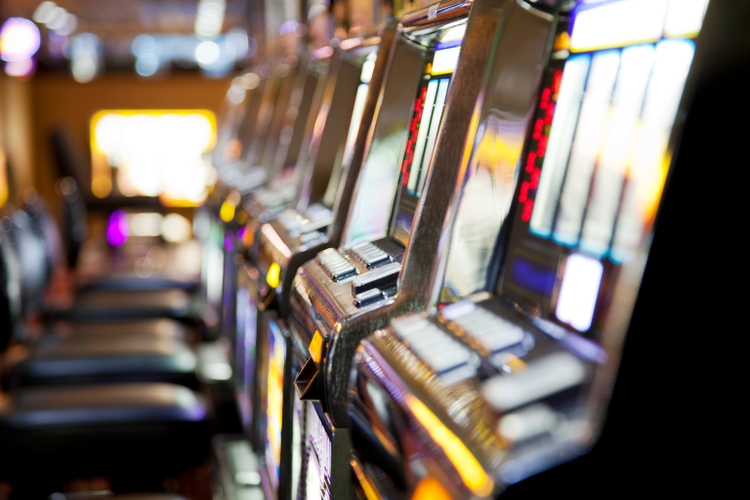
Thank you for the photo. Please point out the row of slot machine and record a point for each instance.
(426, 241)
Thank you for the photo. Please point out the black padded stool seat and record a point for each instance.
(117, 305)
(121, 496)
(136, 283)
(100, 358)
(161, 328)
(102, 430)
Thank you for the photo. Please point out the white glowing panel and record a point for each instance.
(424, 127)
(617, 24)
(154, 152)
(684, 17)
(651, 157)
(617, 148)
(559, 143)
(445, 61)
(437, 115)
(586, 144)
(579, 290)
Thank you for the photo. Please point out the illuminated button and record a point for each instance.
(370, 255)
(493, 332)
(335, 264)
(383, 278)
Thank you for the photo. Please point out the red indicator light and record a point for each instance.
(541, 148)
(524, 195)
(528, 207)
(530, 161)
(535, 178)
(556, 79)
(538, 126)
(413, 129)
(545, 98)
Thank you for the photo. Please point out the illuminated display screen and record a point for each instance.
(595, 165)
(152, 153)
(275, 402)
(359, 105)
(427, 115)
(318, 456)
(245, 345)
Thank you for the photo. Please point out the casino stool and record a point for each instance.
(94, 353)
(112, 297)
(63, 432)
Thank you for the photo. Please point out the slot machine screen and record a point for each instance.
(491, 177)
(359, 105)
(245, 344)
(424, 126)
(596, 162)
(376, 187)
(275, 402)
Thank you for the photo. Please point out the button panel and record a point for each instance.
(383, 277)
(336, 264)
(493, 332)
(370, 255)
(448, 357)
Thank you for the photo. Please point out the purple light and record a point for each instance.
(20, 69)
(241, 233)
(20, 39)
(228, 242)
(117, 228)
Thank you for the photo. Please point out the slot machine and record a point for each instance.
(297, 234)
(511, 372)
(433, 79)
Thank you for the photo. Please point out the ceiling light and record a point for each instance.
(19, 39)
(42, 13)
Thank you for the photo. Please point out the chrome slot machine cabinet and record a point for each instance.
(433, 79)
(510, 374)
(298, 233)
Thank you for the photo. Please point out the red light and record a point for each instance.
(530, 161)
(524, 195)
(538, 126)
(556, 79)
(535, 178)
(528, 207)
(545, 98)
(541, 148)
(413, 129)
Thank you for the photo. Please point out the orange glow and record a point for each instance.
(316, 347)
(430, 488)
(152, 153)
(463, 460)
(3, 177)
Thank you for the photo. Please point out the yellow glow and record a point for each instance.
(274, 273)
(155, 152)
(367, 487)
(430, 488)
(462, 459)
(226, 212)
(316, 347)
(3, 177)
(562, 41)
